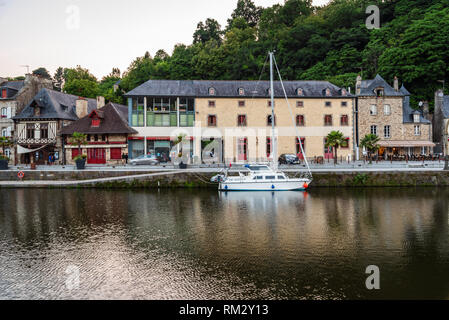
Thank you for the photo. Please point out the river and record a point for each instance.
(198, 244)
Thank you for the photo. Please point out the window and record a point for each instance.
(4, 132)
(95, 122)
(373, 110)
(281, 178)
(212, 91)
(211, 103)
(44, 130)
(298, 146)
(4, 94)
(416, 118)
(268, 147)
(137, 117)
(328, 120)
(241, 120)
(241, 92)
(344, 92)
(387, 109)
(374, 130)
(104, 138)
(300, 92)
(345, 144)
(116, 154)
(300, 104)
(344, 120)
(344, 104)
(269, 103)
(269, 122)
(300, 120)
(387, 132)
(4, 112)
(379, 92)
(30, 130)
(328, 104)
(241, 103)
(417, 130)
(270, 177)
(328, 92)
(96, 138)
(212, 120)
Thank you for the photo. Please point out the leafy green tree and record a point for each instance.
(78, 139)
(42, 72)
(247, 10)
(58, 79)
(371, 143)
(210, 30)
(335, 139)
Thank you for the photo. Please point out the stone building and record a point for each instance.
(386, 112)
(38, 127)
(107, 133)
(14, 96)
(441, 122)
(236, 117)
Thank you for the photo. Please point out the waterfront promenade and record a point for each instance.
(346, 174)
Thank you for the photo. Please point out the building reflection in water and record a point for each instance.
(169, 244)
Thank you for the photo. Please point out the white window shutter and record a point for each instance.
(8, 113)
(8, 132)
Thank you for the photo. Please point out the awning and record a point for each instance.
(22, 150)
(406, 144)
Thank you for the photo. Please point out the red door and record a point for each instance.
(243, 149)
(96, 156)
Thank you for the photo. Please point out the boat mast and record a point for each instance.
(273, 150)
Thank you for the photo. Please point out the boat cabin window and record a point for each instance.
(258, 168)
(258, 178)
(281, 177)
(270, 177)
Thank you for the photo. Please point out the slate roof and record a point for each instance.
(368, 87)
(113, 120)
(13, 87)
(54, 105)
(230, 89)
(408, 111)
(446, 106)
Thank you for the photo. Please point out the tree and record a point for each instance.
(370, 143)
(210, 30)
(247, 10)
(42, 72)
(78, 139)
(335, 139)
(80, 82)
(58, 79)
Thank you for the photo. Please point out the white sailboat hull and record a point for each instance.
(289, 185)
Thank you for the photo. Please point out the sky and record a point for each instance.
(99, 34)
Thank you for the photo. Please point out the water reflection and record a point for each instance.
(199, 245)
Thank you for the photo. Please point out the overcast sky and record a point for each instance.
(99, 34)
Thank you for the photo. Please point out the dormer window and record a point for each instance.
(328, 92)
(212, 91)
(416, 118)
(269, 92)
(344, 92)
(95, 122)
(241, 92)
(300, 92)
(37, 111)
(379, 92)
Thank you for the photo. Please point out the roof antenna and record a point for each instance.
(28, 68)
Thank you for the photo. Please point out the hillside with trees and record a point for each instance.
(312, 43)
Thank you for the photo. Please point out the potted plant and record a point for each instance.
(5, 142)
(79, 139)
(80, 162)
(179, 140)
(370, 143)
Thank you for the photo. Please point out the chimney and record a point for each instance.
(358, 85)
(2, 80)
(100, 102)
(425, 109)
(396, 84)
(81, 107)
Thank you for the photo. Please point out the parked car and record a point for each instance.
(145, 160)
(289, 159)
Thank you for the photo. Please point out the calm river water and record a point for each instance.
(92, 244)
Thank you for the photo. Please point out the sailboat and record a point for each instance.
(262, 177)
